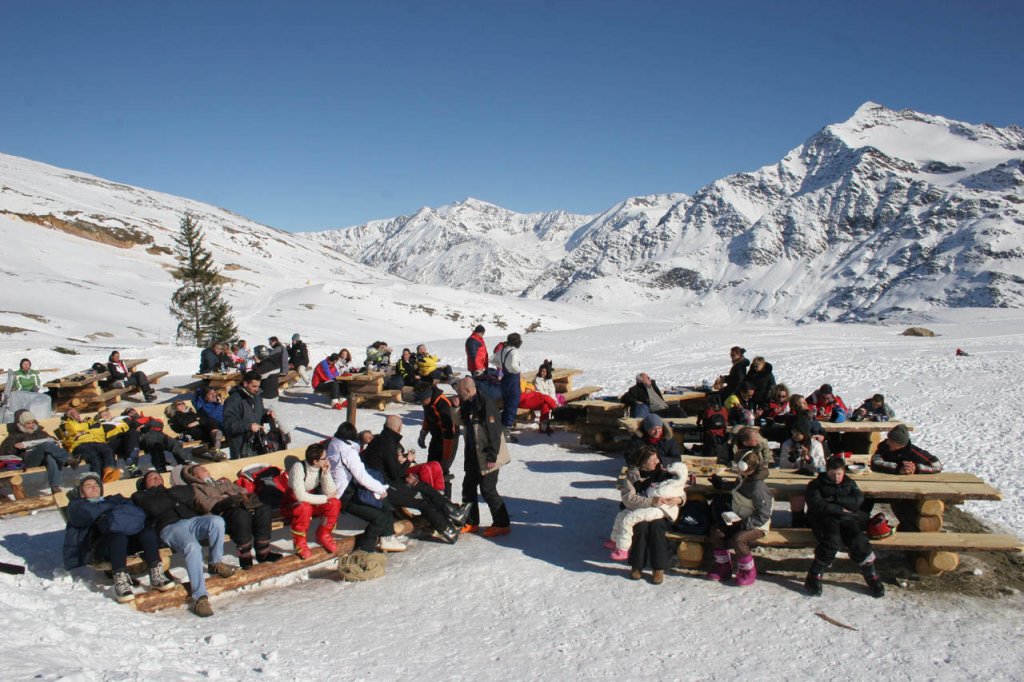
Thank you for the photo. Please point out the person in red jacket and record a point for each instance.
(323, 380)
(476, 352)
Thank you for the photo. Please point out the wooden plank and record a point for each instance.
(956, 542)
(558, 374)
(610, 406)
(577, 393)
(862, 427)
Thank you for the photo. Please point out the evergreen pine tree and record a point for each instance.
(203, 315)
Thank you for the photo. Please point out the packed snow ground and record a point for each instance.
(546, 600)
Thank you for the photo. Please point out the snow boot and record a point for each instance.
(636, 574)
(470, 528)
(301, 548)
(245, 557)
(325, 539)
(874, 581)
(746, 572)
(722, 570)
(812, 582)
(457, 514)
(450, 534)
(496, 531)
(221, 570)
(619, 555)
(111, 474)
(509, 438)
(264, 554)
(609, 544)
(658, 576)
(201, 607)
(123, 588)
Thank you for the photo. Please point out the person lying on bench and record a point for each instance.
(154, 442)
(101, 528)
(121, 376)
(834, 511)
(31, 446)
(171, 512)
(645, 398)
(246, 519)
(897, 455)
(87, 440)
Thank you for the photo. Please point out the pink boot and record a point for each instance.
(610, 544)
(620, 555)
(722, 570)
(746, 573)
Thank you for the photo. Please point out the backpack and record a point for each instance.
(268, 483)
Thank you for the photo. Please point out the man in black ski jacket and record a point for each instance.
(483, 437)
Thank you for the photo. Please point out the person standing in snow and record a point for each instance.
(476, 351)
(483, 444)
(511, 389)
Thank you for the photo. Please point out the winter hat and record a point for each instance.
(651, 421)
(85, 477)
(422, 391)
(24, 417)
(295, 337)
(899, 435)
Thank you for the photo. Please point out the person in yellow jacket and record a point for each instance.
(428, 366)
(88, 441)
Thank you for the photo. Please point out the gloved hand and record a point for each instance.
(422, 442)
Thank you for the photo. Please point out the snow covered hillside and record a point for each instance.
(888, 213)
(87, 263)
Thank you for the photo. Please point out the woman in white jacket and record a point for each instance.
(367, 498)
(311, 492)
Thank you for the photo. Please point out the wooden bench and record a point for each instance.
(15, 478)
(153, 600)
(938, 552)
(562, 378)
(919, 501)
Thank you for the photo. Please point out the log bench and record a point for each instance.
(937, 552)
(919, 502)
(15, 478)
(153, 600)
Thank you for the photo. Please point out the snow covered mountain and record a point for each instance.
(87, 263)
(889, 212)
(469, 244)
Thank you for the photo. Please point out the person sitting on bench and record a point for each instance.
(172, 514)
(26, 378)
(645, 398)
(429, 367)
(874, 409)
(742, 523)
(657, 434)
(33, 447)
(214, 359)
(834, 511)
(110, 527)
(543, 397)
(897, 455)
(121, 376)
(154, 442)
(196, 426)
(324, 381)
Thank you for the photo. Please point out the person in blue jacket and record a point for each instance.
(108, 528)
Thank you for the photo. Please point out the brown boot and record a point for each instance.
(636, 574)
(658, 577)
(201, 607)
(111, 474)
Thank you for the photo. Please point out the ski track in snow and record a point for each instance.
(546, 600)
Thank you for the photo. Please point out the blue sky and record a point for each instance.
(313, 115)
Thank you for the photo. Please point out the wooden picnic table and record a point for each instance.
(85, 391)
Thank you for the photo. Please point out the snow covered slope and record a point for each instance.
(469, 244)
(87, 262)
(888, 213)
